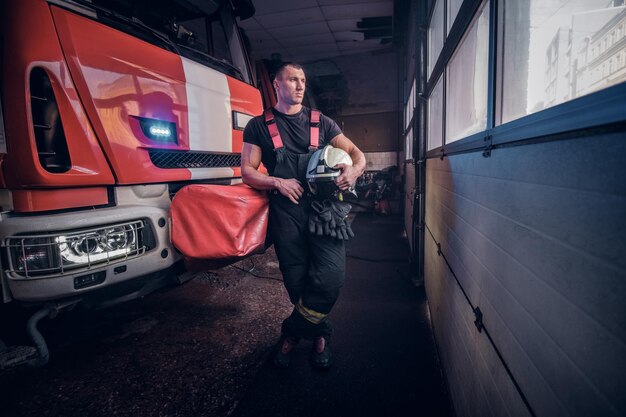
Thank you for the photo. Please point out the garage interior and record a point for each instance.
(203, 348)
(488, 270)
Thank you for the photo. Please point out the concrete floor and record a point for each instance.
(202, 349)
(384, 356)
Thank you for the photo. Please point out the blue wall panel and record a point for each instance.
(536, 236)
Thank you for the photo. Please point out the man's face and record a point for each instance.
(290, 86)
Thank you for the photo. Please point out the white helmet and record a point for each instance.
(320, 172)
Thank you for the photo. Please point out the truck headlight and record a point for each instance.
(35, 255)
(56, 253)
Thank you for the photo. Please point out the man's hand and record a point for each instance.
(290, 188)
(348, 177)
(349, 174)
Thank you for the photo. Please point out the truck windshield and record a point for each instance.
(201, 30)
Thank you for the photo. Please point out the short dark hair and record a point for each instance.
(281, 69)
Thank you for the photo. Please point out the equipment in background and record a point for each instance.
(376, 187)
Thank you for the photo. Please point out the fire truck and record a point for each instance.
(108, 108)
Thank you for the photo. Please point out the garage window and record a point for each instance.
(466, 98)
(435, 35)
(435, 116)
(555, 51)
(453, 11)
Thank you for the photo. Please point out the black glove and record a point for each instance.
(320, 218)
(339, 222)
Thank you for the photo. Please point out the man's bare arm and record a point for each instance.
(250, 162)
(349, 174)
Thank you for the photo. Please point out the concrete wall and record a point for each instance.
(360, 92)
(368, 82)
(379, 160)
(536, 235)
(373, 132)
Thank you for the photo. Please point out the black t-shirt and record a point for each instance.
(294, 131)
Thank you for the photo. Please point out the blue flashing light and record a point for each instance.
(158, 130)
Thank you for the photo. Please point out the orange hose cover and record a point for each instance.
(219, 221)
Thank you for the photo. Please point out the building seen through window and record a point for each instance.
(556, 50)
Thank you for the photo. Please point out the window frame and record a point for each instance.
(410, 107)
(427, 110)
(446, 73)
(445, 33)
(604, 109)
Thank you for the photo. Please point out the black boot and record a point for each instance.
(321, 357)
(283, 348)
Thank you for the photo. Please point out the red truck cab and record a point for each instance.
(108, 108)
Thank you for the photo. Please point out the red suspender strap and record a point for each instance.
(315, 129)
(273, 129)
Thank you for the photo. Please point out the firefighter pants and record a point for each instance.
(313, 268)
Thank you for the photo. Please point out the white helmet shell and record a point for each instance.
(321, 166)
(322, 163)
(335, 156)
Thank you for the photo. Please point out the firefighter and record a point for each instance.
(313, 266)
